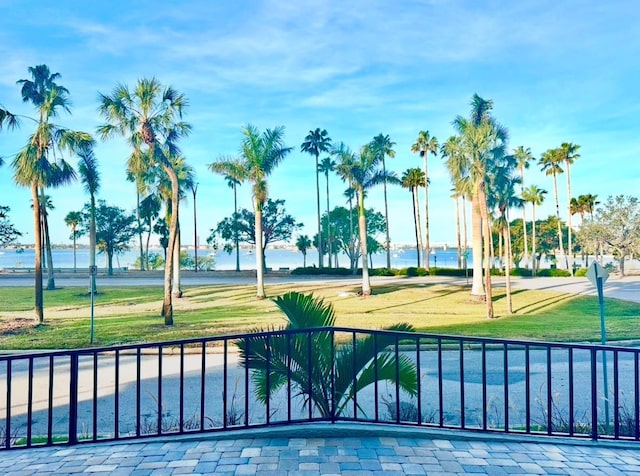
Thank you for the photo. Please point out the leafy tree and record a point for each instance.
(8, 119)
(150, 118)
(617, 226)
(303, 243)
(162, 230)
(260, 155)
(347, 242)
(424, 144)
(114, 229)
(8, 233)
(412, 179)
(41, 162)
(72, 220)
(534, 196)
(315, 142)
(457, 166)
(330, 380)
(277, 225)
(382, 146)
(149, 211)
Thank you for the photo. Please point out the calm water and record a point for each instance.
(63, 258)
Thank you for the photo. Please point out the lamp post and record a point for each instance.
(194, 190)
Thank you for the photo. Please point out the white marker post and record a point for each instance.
(598, 276)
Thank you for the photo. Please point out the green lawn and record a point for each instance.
(131, 314)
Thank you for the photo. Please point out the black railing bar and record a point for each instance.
(594, 395)
(462, 400)
(616, 396)
(289, 377)
(138, 390)
(203, 383)
(376, 389)
(440, 392)
(246, 383)
(418, 376)
(50, 402)
(29, 401)
(397, 377)
(505, 385)
(268, 379)
(181, 393)
(7, 425)
(354, 376)
(636, 366)
(527, 389)
(160, 349)
(484, 386)
(310, 371)
(571, 399)
(73, 399)
(549, 394)
(116, 396)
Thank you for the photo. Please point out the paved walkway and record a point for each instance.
(270, 453)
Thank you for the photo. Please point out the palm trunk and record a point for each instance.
(362, 226)
(352, 256)
(555, 189)
(458, 242)
(167, 304)
(569, 231)
(464, 231)
(386, 214)
(51, 282)
(177, 290)
(73, 231)
(524, 221)
(320, 250)
(487, 241)
(147, 245)
(139, 226)
(260, 294)
(328, 223)
(427, 245)
(37, 240)
(507, 261)
(195, 231)
(416, 225)
(534, 258)
(477, 287)
(92, 242)
(110, 262)
(235, 229)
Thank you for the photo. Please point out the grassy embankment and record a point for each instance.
(131, 314)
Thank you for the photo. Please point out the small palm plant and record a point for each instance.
(327, 375)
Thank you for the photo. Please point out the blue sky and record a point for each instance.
(556, 70)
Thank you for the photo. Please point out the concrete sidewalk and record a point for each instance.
(306, 452)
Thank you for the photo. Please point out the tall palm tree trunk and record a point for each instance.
(177, 290)
(328, 222)
(75, 262)
(362, 226)
(507, 265)
(464, 231)
(477, 287)
(260, 294)
(534, 257)
(51, 282)
(142, 261)
(487, 240)
(386, 214)
(458, 241)
(235, 227)
(569, 228)
(560, 243)
(353, 260)
(416, 225)
(92, 242)
(524, 222)
(320, 250)
(427, 245)
(167, 304)
(37, 240)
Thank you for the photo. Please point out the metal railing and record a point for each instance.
(202, 385)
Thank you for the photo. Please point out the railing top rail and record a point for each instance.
(444, 338)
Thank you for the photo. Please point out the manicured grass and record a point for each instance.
(131, 314)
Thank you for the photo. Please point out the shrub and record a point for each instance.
(581, 272)
(553, 273)
(449, 272)
(313, 271)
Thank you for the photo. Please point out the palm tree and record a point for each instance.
(483, 143)
(303, 243)
(233, 171)
(346, 162)
(315, 142)
(590, 202)
(457, 166)
(332, 378)
(523, 157)
(363, 173)
(149, 212)
(535, 196)
(570, 154)
(260, 154)
(412, 179)
(73, 219)
(423, 145)
(382, 146)
(8, 119)
(327, 165)
(40, 163)
(150, 118)
(550, 165)
(90, 178)
(194, 190)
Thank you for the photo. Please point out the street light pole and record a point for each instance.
(194, 190)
